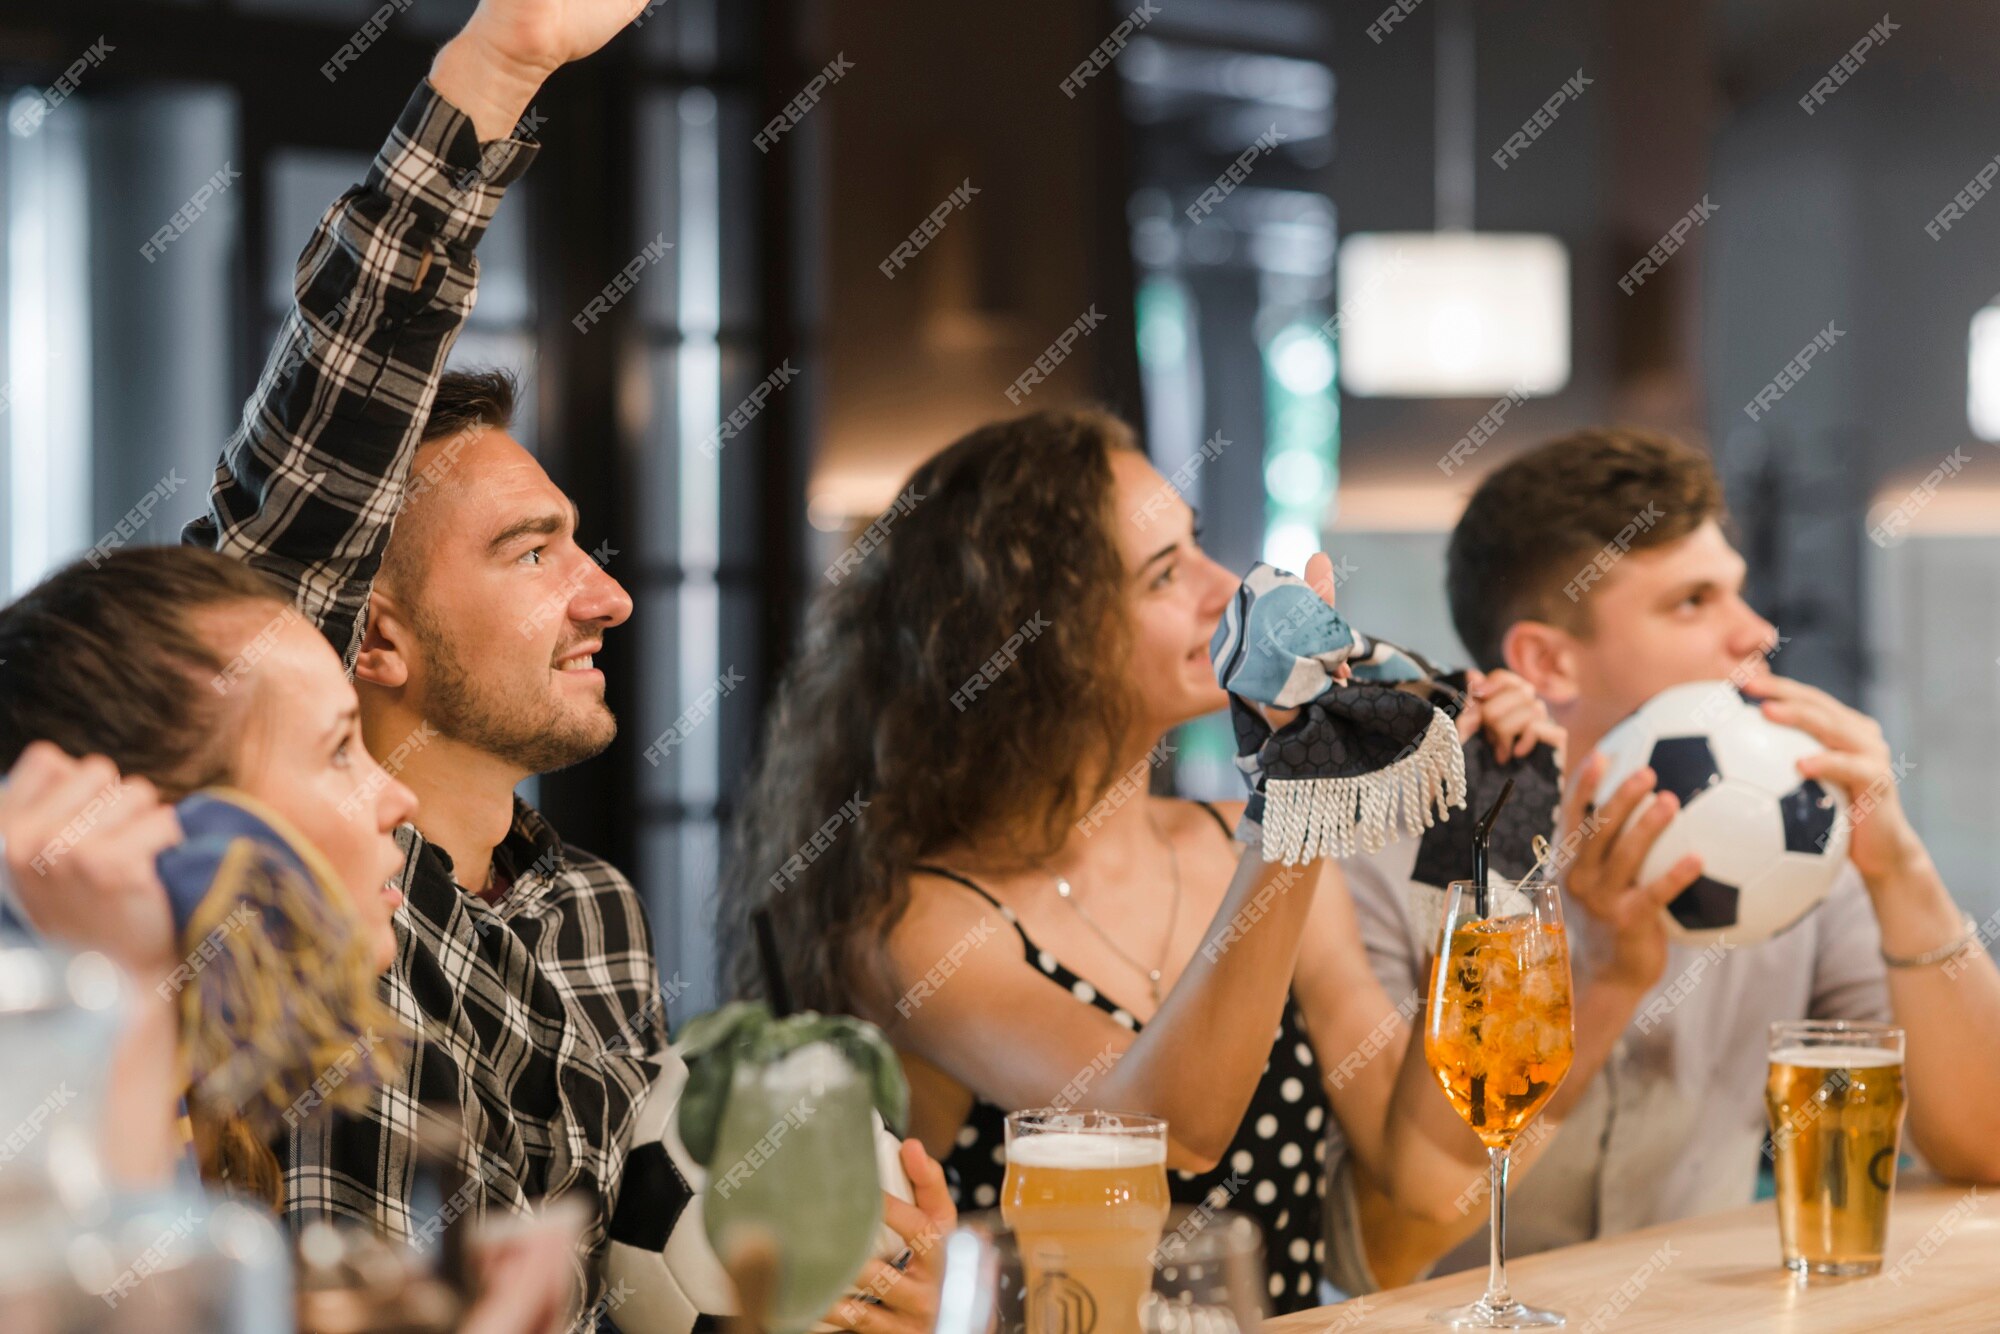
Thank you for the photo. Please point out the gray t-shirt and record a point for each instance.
(1672, 1124)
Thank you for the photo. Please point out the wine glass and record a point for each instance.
(1499, 1037)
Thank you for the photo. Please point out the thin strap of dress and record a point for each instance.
(1220, 819)
(973, 885)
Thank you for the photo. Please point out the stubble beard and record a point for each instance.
(522, 723)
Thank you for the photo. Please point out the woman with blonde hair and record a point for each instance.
(171, 675)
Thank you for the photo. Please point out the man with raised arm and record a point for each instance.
(437, 556)
(525, 968)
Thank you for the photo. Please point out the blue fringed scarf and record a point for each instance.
(1367, 761)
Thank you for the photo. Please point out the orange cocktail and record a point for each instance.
(1499, 1037)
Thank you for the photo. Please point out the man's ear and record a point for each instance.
(1544, 656)
(385, 644)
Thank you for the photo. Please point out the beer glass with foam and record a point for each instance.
(1835, 1096)
(1086, 1196)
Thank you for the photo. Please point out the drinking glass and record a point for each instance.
(795, 1159)
(78, 1251)
(1499, 1037)
(1086, 1195)
(1206, 1277)
(1835, 1095)
(1208, 1274)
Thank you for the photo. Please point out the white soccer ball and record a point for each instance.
(659, 1261)
(1770, 841)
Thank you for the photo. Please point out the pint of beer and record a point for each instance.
(1086, 1196)
(1835, 1096)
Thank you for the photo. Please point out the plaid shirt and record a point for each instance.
(534, 1017)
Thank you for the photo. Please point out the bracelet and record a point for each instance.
(1965, 940)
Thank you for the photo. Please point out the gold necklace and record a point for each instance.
(1067, 893)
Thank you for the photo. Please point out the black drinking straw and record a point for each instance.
(1480, 834)
(779, 995)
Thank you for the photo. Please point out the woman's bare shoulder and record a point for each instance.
(939, 908)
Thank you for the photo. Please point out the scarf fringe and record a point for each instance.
(1309, 818)
(286, 1000)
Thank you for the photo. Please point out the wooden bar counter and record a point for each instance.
(1940, 1272)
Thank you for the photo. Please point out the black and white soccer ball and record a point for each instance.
(660, 1270)
(1771, 842)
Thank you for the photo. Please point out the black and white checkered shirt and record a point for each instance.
(535, 1015)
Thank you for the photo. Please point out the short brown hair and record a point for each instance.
(1538, 518)
(109, 659)
(466, 399)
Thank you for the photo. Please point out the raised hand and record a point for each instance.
(1320, 578)
(493, 68)
(80, 843)
(541, 36)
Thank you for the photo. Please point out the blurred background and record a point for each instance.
(1308, 247)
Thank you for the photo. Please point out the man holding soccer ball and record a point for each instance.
(1665, 1122)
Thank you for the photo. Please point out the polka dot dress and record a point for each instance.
(1273, 1171)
